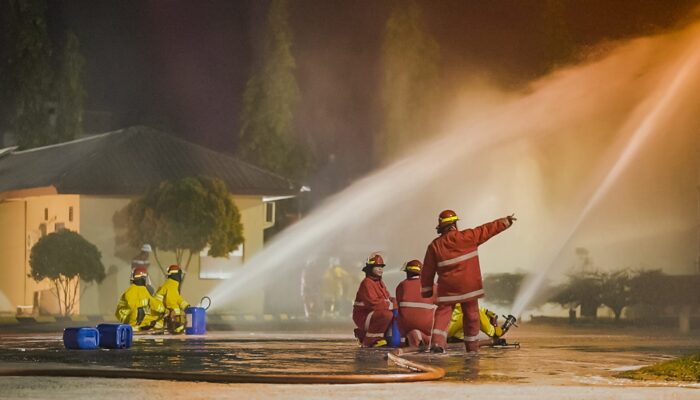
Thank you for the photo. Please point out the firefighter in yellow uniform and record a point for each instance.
(487, 323)
(175, 304)
(137, 307)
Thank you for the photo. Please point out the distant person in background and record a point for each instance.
(416, 312)
(310, 289)
(175, 304)
(143, 260)
(373, 307)
(334, 286)
(454, 257)
(137, 307)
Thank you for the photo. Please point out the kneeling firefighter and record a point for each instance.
(416, 312)
(137, 307)
(372, 310)
(175, 304)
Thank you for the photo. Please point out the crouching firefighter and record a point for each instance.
(137, 307)
(372, 310)
(416, 312)
(488, 324)
(173, 301)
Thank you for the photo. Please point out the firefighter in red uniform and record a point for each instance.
(372, 310)
(415, 311)
(453, 256)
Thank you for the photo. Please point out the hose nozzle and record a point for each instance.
(510, 321)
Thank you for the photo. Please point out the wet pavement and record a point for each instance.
(548, 357)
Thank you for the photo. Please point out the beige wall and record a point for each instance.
(97, 226)
(21, 222)
(12, 255)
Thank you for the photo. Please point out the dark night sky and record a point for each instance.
(182, 65)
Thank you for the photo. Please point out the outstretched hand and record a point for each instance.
(511, 218)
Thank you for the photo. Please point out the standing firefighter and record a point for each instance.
(453, 256)
(137, 307)
(372, 310)
(175, 305)
(416, 312)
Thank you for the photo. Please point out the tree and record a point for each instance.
(184, 217)
(615, 290)
(267, 136)
(501, 289)
(66, 258)
(409, 84)
(70, 93)
(26, 71)
(582, 289)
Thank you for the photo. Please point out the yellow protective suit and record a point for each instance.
(174, 303)
(137, 297)
(170, 295)
(454, 330)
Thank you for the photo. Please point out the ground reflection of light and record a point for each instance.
(648, 125)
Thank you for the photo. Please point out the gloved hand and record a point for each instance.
(511, 218)
(427, 294)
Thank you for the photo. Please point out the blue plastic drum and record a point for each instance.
(196, 321)
(115, 336)
(85, 338)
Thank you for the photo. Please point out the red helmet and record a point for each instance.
(375, 260)
(446, 218)
(413, 266)
(139, 272)
(173, 269)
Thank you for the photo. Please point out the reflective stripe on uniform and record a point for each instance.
(470, 338)
(358, 304)
(369, 317)
(458, 259)
(439, 332)
(461, 296)
(374, 335)
(426, 289)
(415, 304)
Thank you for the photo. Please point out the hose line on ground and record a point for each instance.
(420, 372)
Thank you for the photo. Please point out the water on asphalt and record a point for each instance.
(547, 355)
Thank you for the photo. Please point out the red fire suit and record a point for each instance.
(415, 312)
(372, 311)
(453, 256)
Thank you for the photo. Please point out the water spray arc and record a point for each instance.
(491, 165)
(660, 107)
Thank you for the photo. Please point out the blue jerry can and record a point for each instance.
(115, 336)
(395, 338)
(196, 321)
(84, 338)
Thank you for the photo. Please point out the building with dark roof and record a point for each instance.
(80, 185)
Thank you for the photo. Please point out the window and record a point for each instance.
(46, 214)
(70, 214)
(270, 212)
(219, 267)
(42, 229)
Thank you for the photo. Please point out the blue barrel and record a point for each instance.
(196, 321)
(84, 338)
(115, 336)
(395, 339)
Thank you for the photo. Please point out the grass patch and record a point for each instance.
(682, 369)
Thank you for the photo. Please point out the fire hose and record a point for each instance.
(419, 372)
